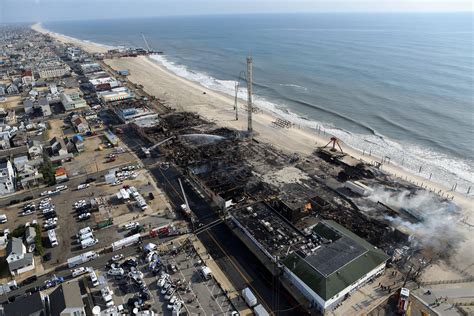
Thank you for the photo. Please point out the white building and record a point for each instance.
(7, 178)
(19, 261)
(72, 101)
(116, 94)
(53, 70)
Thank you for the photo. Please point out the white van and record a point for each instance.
(89, 242)
(83, 231)
(86, 236)
(93, 277)
(3, 219)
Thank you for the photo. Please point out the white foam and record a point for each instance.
(443, 169)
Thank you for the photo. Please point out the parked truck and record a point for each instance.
(249, 297)
(82, 258)
(259, 310)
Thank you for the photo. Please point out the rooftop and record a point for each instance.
(342, 259)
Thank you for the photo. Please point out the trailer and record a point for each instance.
(104, 223)
(125, 242)
(83, 231)
(52, 238)
(85, 236)
(249, 297)
(82, 258)
(259, 310)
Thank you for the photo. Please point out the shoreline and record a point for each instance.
(217, 107)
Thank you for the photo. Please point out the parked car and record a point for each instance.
(117, 257)
(118, 271)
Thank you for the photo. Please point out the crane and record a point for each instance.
(147, 151)
(146, 43)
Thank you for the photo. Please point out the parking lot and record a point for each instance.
(179, 266)
(68, 223)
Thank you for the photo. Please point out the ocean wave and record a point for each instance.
(442, 168)
(293, 86)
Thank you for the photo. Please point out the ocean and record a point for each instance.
(397, 85)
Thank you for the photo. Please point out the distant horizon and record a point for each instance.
(71, 10)
(32, 22)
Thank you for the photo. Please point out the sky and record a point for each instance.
(12, 11)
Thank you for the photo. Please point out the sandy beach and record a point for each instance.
(86, 46)
(186, 95)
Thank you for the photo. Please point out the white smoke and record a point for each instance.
(438, 229)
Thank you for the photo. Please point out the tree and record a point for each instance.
(47, 171)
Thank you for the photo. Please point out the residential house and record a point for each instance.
(12, 89)
(19, 261)
(78, 142)
(66, 300)
(43, 103)
(28, 106)
(27, 78)
(30, 305)
(35, 151)
(80, 125)
(3, 90)
(60, 174)
(7, 178)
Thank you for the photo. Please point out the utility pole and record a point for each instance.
(236, 100)
(249, 95)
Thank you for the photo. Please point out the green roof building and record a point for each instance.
(341, 263)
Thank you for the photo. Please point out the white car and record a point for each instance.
(173, 299)
(165, 288)
(116, 258)
(61, 187)
(131, 225)
(170, 294)
(83, 186)
(79, 271)
(118, 271)
(84, 216)
(45, 193)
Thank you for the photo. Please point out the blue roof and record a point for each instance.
(79, 138)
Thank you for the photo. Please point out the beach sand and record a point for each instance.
(86, 46)
(186, 95)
